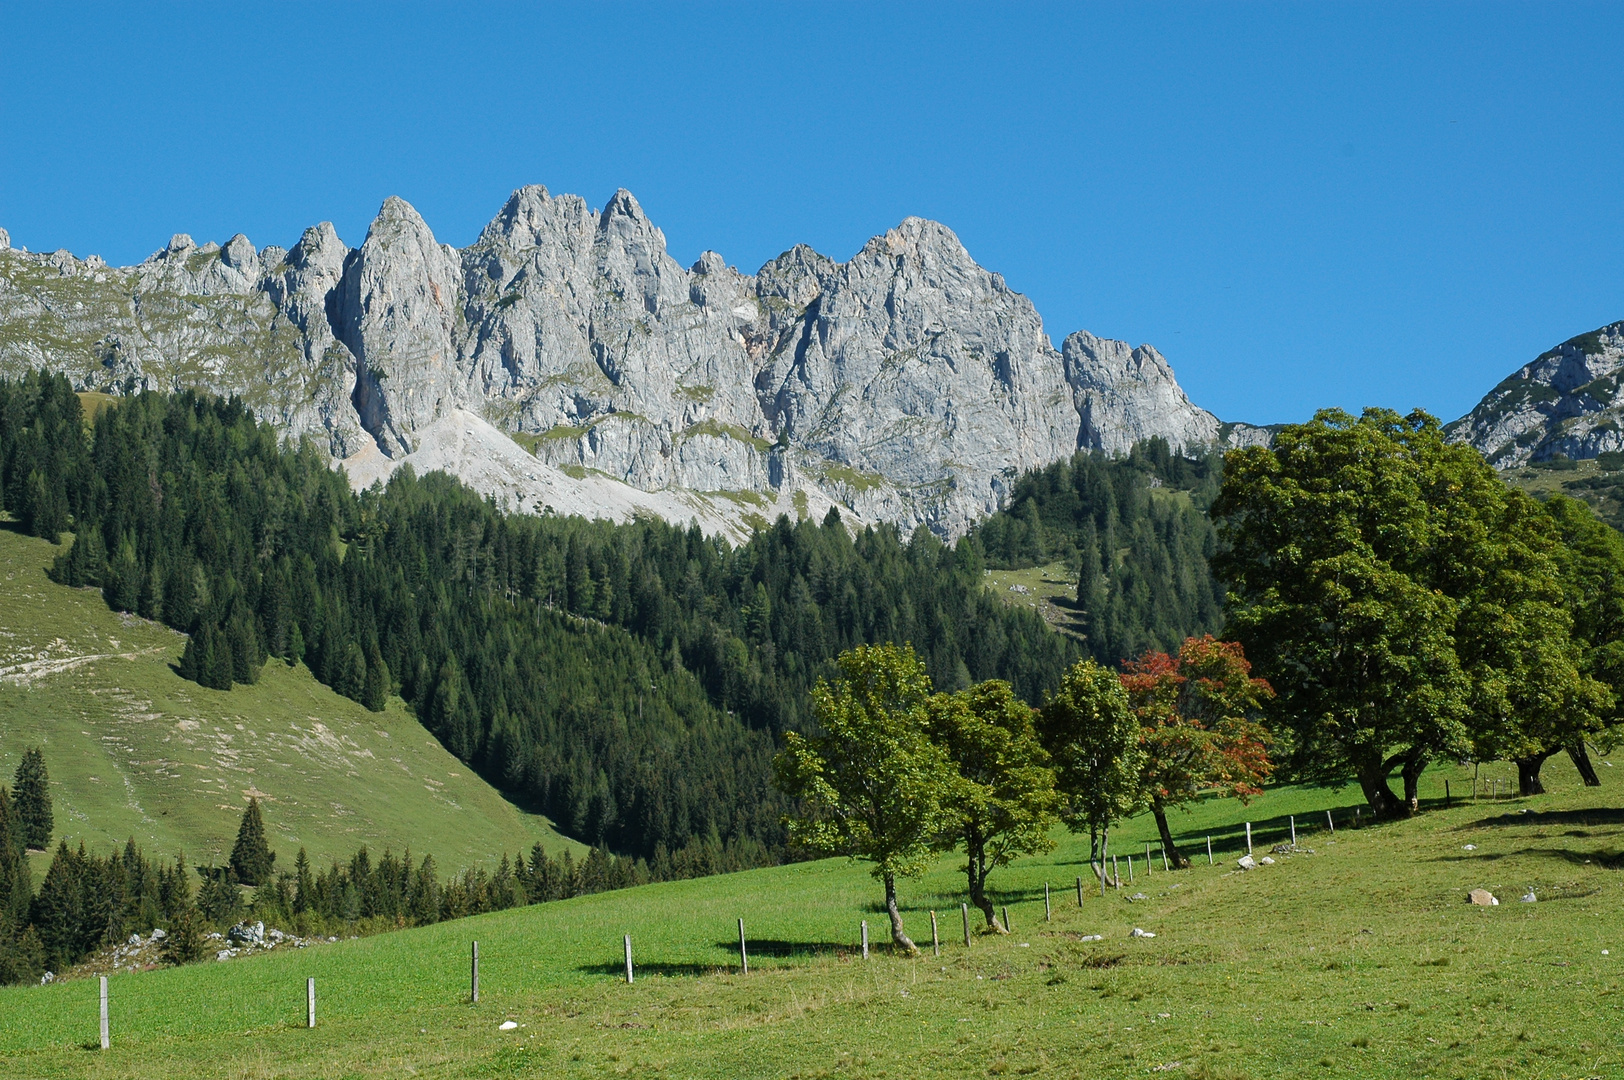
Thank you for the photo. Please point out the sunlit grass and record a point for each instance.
(1363, 955)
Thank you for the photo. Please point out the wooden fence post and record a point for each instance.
(628, 958)
(1147, 860)
(1249, 838)
(1165, 864)
(1293, 830)
(1007, 930)
(964, 910)
(744, 956)
(935, 941)
(106, 1039)
(1080, 888)
(1330, 821)
(310, 1003)
(476, 974)
(865, 939)
(1048, 914)
(1209, 851)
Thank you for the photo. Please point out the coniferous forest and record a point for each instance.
(1135, 534)
(628, 680)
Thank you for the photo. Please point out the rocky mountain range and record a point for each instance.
(1565, 402)
(565, 360)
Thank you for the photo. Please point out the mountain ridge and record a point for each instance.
(1563, 403)
(907, 384)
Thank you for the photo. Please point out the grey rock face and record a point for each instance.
(400, 301)
(907, 384)
(1565, 402)
(1124, 395)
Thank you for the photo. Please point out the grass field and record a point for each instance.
(1362, 959)
(135, 750)
(1051, 591)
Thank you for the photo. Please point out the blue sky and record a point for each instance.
(1301, 205)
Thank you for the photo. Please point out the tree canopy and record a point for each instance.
(872, 786)
(1198, 729)
(251, 855)
(1093, 738)
(1403, 602)
(1005, 802)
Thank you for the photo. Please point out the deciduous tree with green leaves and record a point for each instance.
(1591, 563)
(872, 786)
(1092, 737)
(1531, 697)
(1198, 728)
(1335, 536)
(1006, 800)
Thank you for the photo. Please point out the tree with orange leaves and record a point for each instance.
(1196, 715)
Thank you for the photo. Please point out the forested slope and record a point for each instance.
(626, 680)
(1133, 531)
(134, 751)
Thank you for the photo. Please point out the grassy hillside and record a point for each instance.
(134, 750)
(1362, 959)
(1050, 590)
(1597, 481)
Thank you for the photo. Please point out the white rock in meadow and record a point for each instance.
(507, 1025)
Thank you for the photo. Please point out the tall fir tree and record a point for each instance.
(58, 912)
(219, 900)
(31, 798)
(251, 856)
(183, 943)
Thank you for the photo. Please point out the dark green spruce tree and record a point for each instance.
(21, 958)
(31, 799)
(251, 856)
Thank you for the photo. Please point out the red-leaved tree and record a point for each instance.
(1197, 714)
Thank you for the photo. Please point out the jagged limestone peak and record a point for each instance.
(906, 384)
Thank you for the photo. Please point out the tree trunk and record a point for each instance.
(1384, 805)
(1174, 856)
(899, 937)
(975, 861)
(1582, 762)
(1528, 781)
(1411, 772)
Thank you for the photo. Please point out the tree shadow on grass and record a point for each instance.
(780, 948)
(945, 904)
(671, 971)
(1600, 815)
(763, 948)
